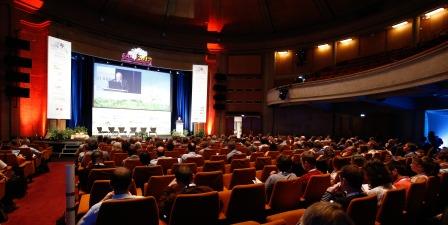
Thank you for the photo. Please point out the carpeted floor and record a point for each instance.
(44, 202)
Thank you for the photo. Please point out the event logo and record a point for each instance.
(137, 56)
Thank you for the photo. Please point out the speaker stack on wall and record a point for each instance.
(220, 89)
(15, 65)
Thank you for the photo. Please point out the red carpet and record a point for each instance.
(44, 201)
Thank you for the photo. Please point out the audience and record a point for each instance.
(191, 152)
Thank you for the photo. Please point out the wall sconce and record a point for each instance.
(399, 25)
(346, 41)
(434, 12)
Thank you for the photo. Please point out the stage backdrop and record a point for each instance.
(107, 94)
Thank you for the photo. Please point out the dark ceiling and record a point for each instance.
(237, 20)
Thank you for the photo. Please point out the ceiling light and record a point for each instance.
(323, 46)
(434, 12)
(398, 25)
(283, 53)
(346, 41)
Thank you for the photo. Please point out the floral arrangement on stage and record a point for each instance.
(175, 133)
(68, 133)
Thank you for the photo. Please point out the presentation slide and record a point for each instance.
(128, 97)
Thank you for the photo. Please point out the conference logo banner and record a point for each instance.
(59, 79)
(137, 56)
(199, 94)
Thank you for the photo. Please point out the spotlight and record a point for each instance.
(300, 79)
(362, 115)
(242, 115)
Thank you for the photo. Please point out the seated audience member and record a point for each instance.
(169, 146)
(379, 179)
(160, 151)
(132, 154)
(442, 160)
(409, 150)
(398, 173)
(182, 184)
(92, 145)
(272, 147)
(25, 144)
(233, 151)
(191, 152)
(145, 159)
(358, 160)
(120, 182)
(308, 162)
(338, 163)
(116, 147)
(97, 160)
(348, 188)
(423, 167)
(325, 213)
(284, 164)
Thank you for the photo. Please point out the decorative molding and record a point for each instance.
(424, 68)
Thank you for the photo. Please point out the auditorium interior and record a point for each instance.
(309, 112)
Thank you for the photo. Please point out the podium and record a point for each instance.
(179, 126)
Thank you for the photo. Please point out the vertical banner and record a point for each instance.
(199, 94)
(59, 79)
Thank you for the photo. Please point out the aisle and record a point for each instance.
(44, 202)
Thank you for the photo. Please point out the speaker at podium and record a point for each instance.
(179, 125)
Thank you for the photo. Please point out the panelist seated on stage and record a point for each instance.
(119, 82)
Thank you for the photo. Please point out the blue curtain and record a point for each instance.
(181, 98)
(82, 91)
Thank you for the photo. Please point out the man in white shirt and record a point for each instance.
(120, 181)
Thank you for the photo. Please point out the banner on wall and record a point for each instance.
(199, 94)
(59, 79)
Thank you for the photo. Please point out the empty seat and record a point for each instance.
(242, 176)
(391, 210)
(118, 158)
(198, 160)
(186, 207)
(166, 163)
(218, 157)
(285, 195)
(255, 155)
(99, 189)
(214, 166)
(260, 162)
(363, 210)
(99, 174)
(291, 217)
(267, 171)
(209, 152)
(213, 179)
(414, 202)
(156, 185)
(130, 164)
(142, 174)
(246, 202)
(239, 164)
(316, 187)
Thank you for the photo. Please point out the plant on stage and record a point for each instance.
(174, 133)
(58, 135)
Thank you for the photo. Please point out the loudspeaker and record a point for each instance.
(220, 88)
(17, 61)
(219, 97)
(16, 43)
(18, 77)
(301, 56)
(219, 106)
(13, 91)
(220, 77)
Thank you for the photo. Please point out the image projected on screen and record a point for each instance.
(127, 88)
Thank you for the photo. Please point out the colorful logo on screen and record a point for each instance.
(137, 56)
